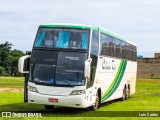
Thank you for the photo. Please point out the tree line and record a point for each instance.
(9, 60)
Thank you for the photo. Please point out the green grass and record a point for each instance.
(11, 82)
(147, 98)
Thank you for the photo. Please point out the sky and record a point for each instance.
(137, 21)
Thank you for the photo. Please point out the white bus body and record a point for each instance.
(113, 77)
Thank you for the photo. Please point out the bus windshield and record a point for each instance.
(66, 69)
(62, 38)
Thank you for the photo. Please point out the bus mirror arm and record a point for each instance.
(21, 64)
(87, 68)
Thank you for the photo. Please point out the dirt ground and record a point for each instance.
(11, 89)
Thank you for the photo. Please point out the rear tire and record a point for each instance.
(96, 104)
(127, 93)
(49, 107)
(124, 94)
(129, 90)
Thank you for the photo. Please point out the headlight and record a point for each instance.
(33, 89)
(78, 92)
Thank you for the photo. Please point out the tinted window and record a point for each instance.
(70, 66)
(62, 38)
(135, 53)
(132, 52)
(110, 51)
(117, 48)
(114, 47)
(123, 45)
(68, 70)
(127, 52)
(103, 44)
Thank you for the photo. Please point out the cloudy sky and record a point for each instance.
(138, 20)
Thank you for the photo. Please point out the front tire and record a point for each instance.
(96, 104)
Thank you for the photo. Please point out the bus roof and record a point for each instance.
(80, 26)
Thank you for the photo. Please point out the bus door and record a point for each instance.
(26, 75)
(93, 56)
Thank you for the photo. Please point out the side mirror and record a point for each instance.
(87, 68)
(21, 64)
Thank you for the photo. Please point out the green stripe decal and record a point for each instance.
(116, 81)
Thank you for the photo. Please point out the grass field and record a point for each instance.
(11, 82)
(147, 98)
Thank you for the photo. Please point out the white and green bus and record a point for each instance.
(78, 66)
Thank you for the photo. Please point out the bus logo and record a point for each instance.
(107, 66)
(72, 58)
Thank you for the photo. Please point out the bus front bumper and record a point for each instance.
(77, 101)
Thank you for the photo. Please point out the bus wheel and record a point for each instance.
(127, 93)
(129, 90)
(49, 107)
(124, 94)
(96, 104)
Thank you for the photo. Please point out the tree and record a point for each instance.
(2, 71)
(9, 60)
(14, 56)
(4, 53)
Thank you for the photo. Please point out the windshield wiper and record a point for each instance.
(66, 82)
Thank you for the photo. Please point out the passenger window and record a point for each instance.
(117, 48)
(110, 51)
(123, 46)
(114, 47)
(135, 53)
(103, 44)
(127, 51)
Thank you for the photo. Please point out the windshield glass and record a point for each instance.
(42, 74)
(70, 68)
(62, 38)
(57, 68)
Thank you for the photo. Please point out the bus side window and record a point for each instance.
(117, 48)
(110, 51)
(135, 53)
(130, 52)
(123, 49)
(103, 44)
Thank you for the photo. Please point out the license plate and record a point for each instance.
(52, 100)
